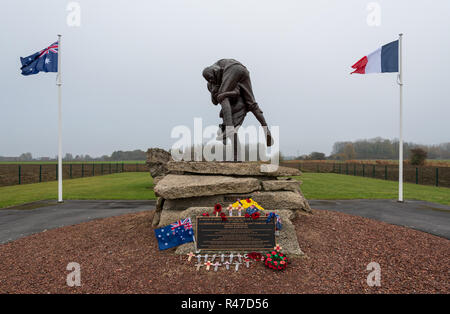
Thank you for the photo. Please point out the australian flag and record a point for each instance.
(45, 60)
(175, 234)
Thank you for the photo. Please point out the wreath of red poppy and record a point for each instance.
(276, 260)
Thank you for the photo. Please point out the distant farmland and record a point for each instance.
(435, 173)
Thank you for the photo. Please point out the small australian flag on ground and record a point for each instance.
(175, 234)
(45, 60)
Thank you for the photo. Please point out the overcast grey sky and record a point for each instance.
(132, 71)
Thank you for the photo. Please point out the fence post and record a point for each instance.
(346, 168)
(40, 173)
(437, 176)
(354, 169)
(20, 170)
(101, 167)
(136, 167)
(340, 169)
(70, 170)
(373, 171)
(123, 165)
(82, 170)
(364, 169)
(93, 169)
(417, 175)
(318, 169)
(385, 172)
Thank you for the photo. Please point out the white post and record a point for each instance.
(400, 150)
(59, 83)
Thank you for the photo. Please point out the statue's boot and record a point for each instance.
(260, 117)
(269, 138)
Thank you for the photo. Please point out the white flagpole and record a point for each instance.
(400, 150)
(59, 83)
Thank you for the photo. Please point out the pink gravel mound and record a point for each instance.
(120, 255)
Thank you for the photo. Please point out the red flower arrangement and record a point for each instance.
(205, 214)
(217, 208)
(247, 215)
(223, 216)
(276, 260)
(256, 215)
(255, 256)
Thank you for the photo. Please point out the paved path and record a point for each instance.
(424, 216)
(36, 217)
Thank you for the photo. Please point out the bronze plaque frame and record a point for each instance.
(248, 221)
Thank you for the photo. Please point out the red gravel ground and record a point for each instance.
(120, 255)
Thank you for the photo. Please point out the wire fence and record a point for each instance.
(426, 175)
(15, 174)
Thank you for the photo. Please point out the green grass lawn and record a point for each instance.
(123, 186)
(138, 186)
(338, 186)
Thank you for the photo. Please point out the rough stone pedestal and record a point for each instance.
(191, 188)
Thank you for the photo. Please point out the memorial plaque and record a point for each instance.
(237, 233)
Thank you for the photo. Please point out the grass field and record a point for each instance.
(138, 186)
(338, 186)
(126, 186)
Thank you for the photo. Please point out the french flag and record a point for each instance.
(382, 60)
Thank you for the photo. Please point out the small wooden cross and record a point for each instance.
(198, 266)
(208, 265)
(239, 209)
(237, 266)
(190, 255)
(206, 257)
(239, 256)
(231, 258)
(222, 257)
(247, 262)
(216, 266)
(227, 265)
(230, 210)
(277, 248)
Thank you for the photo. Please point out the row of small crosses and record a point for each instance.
(210, 262)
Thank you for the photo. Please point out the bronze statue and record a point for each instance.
(230, 86)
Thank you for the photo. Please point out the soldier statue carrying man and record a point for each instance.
(230, 86)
